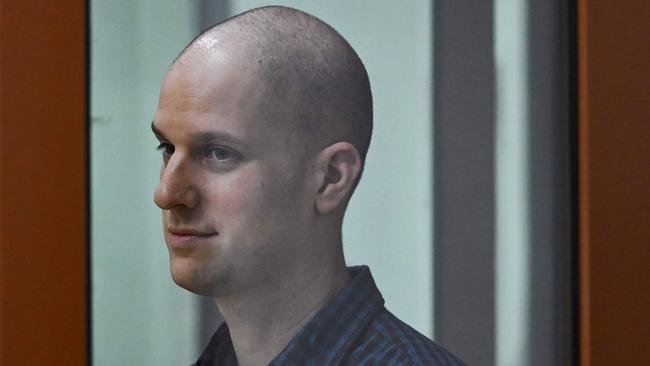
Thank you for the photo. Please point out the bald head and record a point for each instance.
(313, 84)
(263, 121)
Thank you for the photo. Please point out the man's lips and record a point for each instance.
(183, 235)
(190, 232)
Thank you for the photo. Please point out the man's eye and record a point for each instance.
(219, 154)
(167, 149)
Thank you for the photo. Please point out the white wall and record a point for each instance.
(139, 317)
(512, 234)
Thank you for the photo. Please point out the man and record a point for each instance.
(264, 122)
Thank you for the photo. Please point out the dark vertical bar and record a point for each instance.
(43, 183)
(614, 156)
(549, 169)
(464, 179)
(575, 183)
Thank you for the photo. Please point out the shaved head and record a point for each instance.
(313, 84)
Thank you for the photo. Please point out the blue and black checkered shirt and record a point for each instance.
(353, 329)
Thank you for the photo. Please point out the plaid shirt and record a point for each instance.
(353, 329)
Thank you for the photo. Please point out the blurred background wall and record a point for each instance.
(139, 316)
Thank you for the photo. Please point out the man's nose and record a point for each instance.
(176, 186)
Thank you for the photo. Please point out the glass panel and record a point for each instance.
(139, 316)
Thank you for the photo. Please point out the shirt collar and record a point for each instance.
(326, 338)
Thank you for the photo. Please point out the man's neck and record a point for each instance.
(262, 322)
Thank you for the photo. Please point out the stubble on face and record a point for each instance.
(257, 202)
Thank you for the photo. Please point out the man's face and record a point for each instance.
(234, 195)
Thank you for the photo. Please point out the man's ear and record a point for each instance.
(339, 166)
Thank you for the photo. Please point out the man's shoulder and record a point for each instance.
(388, 340)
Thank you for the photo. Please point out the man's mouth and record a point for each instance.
(186, 235)
(191, 232)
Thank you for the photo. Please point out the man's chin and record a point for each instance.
(193, 279)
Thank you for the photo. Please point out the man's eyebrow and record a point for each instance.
(202, 136)
(205, 137)
(157, 132)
